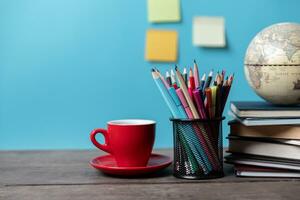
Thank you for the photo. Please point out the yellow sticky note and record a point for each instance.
(209, 32)
(163, 11)
(161, 45)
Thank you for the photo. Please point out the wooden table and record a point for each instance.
(31, 175)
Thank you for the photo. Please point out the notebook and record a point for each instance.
(270, 148)
(250, 121)
(260, 109)
(262, 161)
(265, 131)
(251, 171)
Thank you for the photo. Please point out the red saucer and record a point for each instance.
(107, 164)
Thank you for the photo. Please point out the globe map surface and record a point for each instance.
(272, 63)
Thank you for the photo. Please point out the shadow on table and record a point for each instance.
(162, 173)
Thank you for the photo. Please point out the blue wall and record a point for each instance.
(68, 66)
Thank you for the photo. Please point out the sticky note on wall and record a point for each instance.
(161, 45)
(209, 32)
(163, 11)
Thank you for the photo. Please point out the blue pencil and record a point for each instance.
(164, 92)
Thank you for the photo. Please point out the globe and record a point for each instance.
(272, 64)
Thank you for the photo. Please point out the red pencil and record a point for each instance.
(190, 90)
(219, 97)
(192, 79)
(191, 83)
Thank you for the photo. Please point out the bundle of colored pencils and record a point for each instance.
(198, 98)
(189, 97)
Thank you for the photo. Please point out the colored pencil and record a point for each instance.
(208, 81)
(223, 76)
(213, 100)
(185, 76)
(215, 80)
(162, 79)
(184, 103)
(219, 97)
(173, 95)
(168, 78)
(164, 92)
(199, 103)
(196, 75)
(191, 85)
(186, 94)
(227, 91)
(190, 152)
(173, 79)
(208, 105)
(192, 79)
(230, 79)
(202, 82)
(177, 101)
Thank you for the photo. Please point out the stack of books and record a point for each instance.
(264, 140)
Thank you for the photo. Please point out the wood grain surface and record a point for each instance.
(67, 175)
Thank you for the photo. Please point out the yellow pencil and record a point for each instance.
(213, 103)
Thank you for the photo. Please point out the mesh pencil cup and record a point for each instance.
(198, 148)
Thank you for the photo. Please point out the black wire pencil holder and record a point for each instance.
(198, 148)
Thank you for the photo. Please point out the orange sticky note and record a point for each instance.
(161, 45)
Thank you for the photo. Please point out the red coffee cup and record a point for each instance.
(130, 141)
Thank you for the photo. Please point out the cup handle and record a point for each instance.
(103, 147)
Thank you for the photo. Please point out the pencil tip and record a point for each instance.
(152, 70)
(195, 61)
(176, 67)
